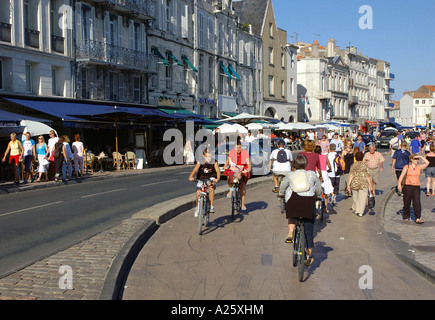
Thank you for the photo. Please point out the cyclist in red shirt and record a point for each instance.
(239, 163)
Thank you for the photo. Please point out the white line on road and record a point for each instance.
(151, 184)
(26, 209)
(100, 193)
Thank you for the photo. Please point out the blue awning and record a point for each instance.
(233, 72)
(10, 119)
(225, 70)
(77, 111)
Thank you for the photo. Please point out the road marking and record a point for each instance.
(154, 183)
(27, 209)
(100, 193)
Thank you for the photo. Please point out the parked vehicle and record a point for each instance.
(259, 158)
(384, 138)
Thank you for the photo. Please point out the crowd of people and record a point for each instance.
(325, 160)
(56, 155)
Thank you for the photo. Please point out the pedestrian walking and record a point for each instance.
(333, 174)
(16, 153)
(430, 170)
(42, 153)
(78, 151)
(324, 144)
(338, 142)
(415, 145)
(59, 156)
(67, 165)
(374, 161)
(29, 156)
(411, 189)
(399, 160)
(326, 182)
(359, 184)
(312, 157)
(349, 158)
(360, 144)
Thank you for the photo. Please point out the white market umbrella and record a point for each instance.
(255, 126)
(296, 126)
(35, 128)
(240, 129)
(227, 128)
(244, 118)
(390, 128)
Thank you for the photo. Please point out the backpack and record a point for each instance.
(339, 165)
(56, 152)
(281, 157)
(299, 181)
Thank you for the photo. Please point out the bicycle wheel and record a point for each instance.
(200, 213)
(295, 246)
(301, 253)
(233, 204)
(323, 210)
(207, 212)
(282, 205)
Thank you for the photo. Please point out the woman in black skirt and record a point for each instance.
(301, 204)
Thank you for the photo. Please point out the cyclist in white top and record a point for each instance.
(280, 162)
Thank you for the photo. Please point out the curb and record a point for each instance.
(153, 217)
(424, 271)
(52, 184)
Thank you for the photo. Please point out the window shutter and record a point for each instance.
(106, 27)
(143, 38)
(121, 87)
(120, 32)
(131, 35)
(184, 21)
(79, 22)
(241, 51)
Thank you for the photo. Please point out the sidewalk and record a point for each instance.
(100, 264)
(411, 242)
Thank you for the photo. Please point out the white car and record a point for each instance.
(260, 163)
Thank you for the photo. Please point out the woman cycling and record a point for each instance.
(206, 169)
(301, 192)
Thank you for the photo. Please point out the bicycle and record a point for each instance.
(203, 205)
(299, 248)
(235, 199)
(281, 196)
(320, 207)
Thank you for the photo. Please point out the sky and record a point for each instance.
(403, 33)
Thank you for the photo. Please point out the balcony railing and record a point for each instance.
(142, 7)
(31, 38)
(101, 52)
(57, 44)
(324, 95)
(5, 32)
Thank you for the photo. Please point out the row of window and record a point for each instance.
(424, 101)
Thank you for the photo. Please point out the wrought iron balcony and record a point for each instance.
(5, 32)
(31, 38)
(97, 52)
(145, 8)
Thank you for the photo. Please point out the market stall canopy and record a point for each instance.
(244, 118)
(296, 126)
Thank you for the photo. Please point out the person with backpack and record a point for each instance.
(59, 155)
(359, 184)
(301, 188)
(374, 161)
(280, 163)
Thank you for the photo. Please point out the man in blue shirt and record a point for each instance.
(400, 159)
(415, 145)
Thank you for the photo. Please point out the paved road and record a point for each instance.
(248, 259)
(36, 224)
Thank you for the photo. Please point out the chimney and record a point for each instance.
(331, 48)
(315, 49)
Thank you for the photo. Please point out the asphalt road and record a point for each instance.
(36, 224)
